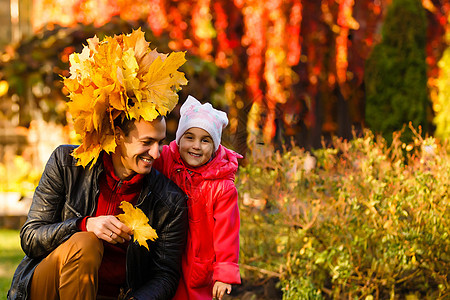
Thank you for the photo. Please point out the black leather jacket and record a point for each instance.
(66, 193)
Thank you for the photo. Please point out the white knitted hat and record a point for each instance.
(204, 116)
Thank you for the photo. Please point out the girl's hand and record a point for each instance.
(220, 288)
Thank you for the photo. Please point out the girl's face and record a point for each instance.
(196, 147)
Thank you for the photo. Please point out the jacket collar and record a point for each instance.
(133, 185)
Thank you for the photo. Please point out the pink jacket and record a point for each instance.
(212, 249)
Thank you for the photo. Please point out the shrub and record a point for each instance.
(18, 175)
(368, 222)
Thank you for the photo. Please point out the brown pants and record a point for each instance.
(70, 271)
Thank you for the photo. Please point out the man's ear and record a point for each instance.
(118, 135)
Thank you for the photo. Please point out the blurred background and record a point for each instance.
(292, 72)
(288, 72)
(329, 83)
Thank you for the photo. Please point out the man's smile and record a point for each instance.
(146, 160)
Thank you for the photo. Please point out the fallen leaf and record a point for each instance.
(136, 220)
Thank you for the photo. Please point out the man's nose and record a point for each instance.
(154, 151)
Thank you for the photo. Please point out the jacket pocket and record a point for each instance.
(201, 273)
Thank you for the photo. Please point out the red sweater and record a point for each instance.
(113, 191)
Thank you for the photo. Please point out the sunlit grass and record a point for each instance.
(10, 256)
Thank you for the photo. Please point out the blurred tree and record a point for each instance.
(396, 71)
(283, 69)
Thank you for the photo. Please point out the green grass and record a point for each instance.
(10, 256)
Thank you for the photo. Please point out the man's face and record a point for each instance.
(137, 151)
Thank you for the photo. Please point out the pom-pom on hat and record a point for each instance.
(204, 116)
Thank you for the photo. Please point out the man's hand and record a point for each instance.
(109, 228)
(220, 288)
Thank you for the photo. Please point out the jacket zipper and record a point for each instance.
(74, 211)
(139, 203)
(97, 193)
(78, 214)
(113, 196)
(141, 198)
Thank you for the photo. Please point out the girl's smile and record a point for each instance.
(196, 147)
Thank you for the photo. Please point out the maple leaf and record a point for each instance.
(86, 154)
(80, 66)
(130, 67)
(147, 60)
(71, 84)
(117, 101)
(136, 40)
(136, 220)
(164, 80)
(80, 102)
(93, 42)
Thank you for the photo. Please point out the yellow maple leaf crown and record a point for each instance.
(118, 77)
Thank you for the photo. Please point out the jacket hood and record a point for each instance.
(223, 165)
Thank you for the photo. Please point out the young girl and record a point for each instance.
(205, 170)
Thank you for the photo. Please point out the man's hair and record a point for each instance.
(126, 125)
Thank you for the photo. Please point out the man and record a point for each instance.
(75, 246)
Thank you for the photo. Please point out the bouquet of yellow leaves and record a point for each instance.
(136, 220)
(118, 77)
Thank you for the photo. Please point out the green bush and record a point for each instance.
(19, 175)
(368, 222)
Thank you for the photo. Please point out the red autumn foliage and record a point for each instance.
(304, 57)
